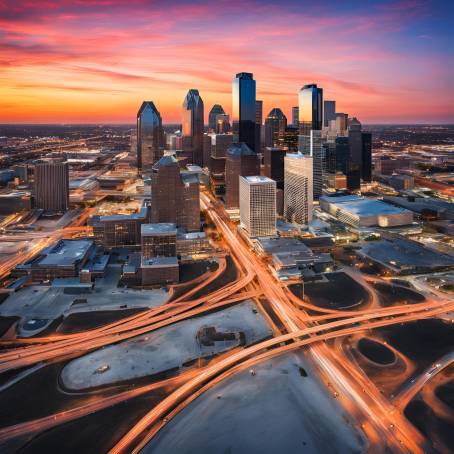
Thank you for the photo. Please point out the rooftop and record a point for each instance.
(258, 179)
(239, 149)
(362, 206)
(66, 253)
(163, 228)
(124, 217)
(158, 262)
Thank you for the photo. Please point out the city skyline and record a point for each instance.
(95, 61)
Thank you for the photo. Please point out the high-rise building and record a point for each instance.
(240, 161)
(366, 159)
(291, 138)
(317, 151)
(329, 112)
(174, 195)
(244, 110)
(310, 108)
(150, 136)
(298, 186)
(341, 124)
(258, 205)
(355, 156)
(192, 125)
(274, 164)
(258, 125)
(214, 112)
(220, 144)
(275, 124)
(51, 190)
(295, 116)
(222, 124)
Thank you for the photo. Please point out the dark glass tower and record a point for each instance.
(355, 157)
(244, 109)
(215, 110)
(329, 112)
(275, 124)
(310, 109)
(149, 136)
(366, 164)
(192, 125)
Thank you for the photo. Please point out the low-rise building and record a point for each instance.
(363, 212)
(64, 259)
(160, 271)
(193, 243)
(159, 240)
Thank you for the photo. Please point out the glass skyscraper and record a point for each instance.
(149, 136)
(244, 109)
(310, 113)
(329, 112)
(275, 124)
(214, 112)
(192, 124)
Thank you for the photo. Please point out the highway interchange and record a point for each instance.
(293, 328)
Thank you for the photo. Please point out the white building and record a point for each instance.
(298, 188)
(258, 205)
(312, 145)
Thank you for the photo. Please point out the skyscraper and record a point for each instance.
(149, 136)
(192, 124)
(274, 164)
(329, 112)
(298, 186)
(258, 125)
(310, 108)
(275, 124)
(51, 187)
(355, 143)
(366, 158)
(222, 124)
(317, 151)
(295, 116)
(174, 195)
(258, 205)
(240, 161)
(215, 110)
(244, 109)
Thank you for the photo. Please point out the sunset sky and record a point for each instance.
(95, 60)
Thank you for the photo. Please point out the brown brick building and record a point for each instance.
(241, 161)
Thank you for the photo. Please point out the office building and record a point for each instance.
(387, 165)
(366, 158)
(192, 126)
(310, 100)
(241, 161)
(298, 187)
(244, 114)
(295, 116)
(258, 205)
(150, 136)
(212, 116)
(341, 124)
(355, 155)
(206, 149)
(258, 125)
(291, 138)
(15, 202)
(275, 124)
(317, 151)
(160, 271)
(65, 259)
(220, 144)
(119, 230)
(274, 164)
(174, 195)
(159, 240)
(222, 124)
(329, 112)
(51, 190)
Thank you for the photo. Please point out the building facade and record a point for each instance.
(258, 205)
(244, 110)
(192, 125)
(150, 136)
(310, 113)
(298, 187)
(214, 112)
(51, 189)
(275, 124)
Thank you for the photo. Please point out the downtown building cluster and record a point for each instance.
(320, 150)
